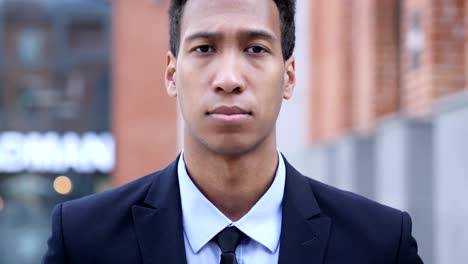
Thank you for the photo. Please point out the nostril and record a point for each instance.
(237, 90)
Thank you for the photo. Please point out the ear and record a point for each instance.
(169, 75)
(289, 77)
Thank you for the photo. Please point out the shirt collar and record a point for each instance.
(202, 220)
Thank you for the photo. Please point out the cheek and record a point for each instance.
(186, 86)
(273, 87)
(269, 98)
(191, 105)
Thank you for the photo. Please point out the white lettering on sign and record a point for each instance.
(51, 152)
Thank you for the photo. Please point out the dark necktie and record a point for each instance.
(228, 240)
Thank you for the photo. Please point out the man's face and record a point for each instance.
(230, 76)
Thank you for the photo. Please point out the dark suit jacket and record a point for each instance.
(141, 223)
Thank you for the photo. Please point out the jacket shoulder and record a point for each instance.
(333, 200)
(377, 228)
(124, 195)
(360, 221)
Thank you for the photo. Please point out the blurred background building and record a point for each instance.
(55, 140)
(380, 109)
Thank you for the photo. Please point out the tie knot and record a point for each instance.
(228, 239)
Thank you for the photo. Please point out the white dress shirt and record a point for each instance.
(202, 221)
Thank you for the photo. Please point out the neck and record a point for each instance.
(233, 183)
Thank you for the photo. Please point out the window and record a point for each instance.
(415, 41)
(30, 47)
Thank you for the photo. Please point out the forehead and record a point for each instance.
(230, 16)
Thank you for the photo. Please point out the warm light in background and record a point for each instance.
(2, 204)
(63, 185)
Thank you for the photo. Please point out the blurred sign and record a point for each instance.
(51, 152)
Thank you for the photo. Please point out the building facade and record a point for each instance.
(389, 107)
(55, 137)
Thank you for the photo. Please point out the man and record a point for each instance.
(229, 197)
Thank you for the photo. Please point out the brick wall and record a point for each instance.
(376, 58)
(332, 69)
(441, 67)
(144, 117)
(316, 119)
(387, 93)
(466, 46)
(355, 62)
(364, 59)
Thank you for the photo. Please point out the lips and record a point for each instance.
(230, 115)
(229, 110)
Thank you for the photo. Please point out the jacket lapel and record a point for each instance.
(158, 221)
(305, 230)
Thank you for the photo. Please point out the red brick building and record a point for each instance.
(389, 109)
(144, 116)
(377, 58)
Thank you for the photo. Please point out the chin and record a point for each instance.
(233, 147)
(231, 151)
(232, 144)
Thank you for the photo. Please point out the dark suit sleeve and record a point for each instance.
(408, 252)
(56, 248)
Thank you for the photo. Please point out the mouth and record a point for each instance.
(229, 110)
(229, 114)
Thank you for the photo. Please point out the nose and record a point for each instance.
(228, 78)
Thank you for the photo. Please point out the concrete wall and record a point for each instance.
(355, 165)
(404, 174)
(451, 180)
(394, 166)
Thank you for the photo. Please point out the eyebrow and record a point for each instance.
(244, 33)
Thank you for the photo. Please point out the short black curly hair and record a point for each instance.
(286, 8)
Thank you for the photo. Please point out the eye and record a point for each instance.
(256, 49)
(204, 49)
